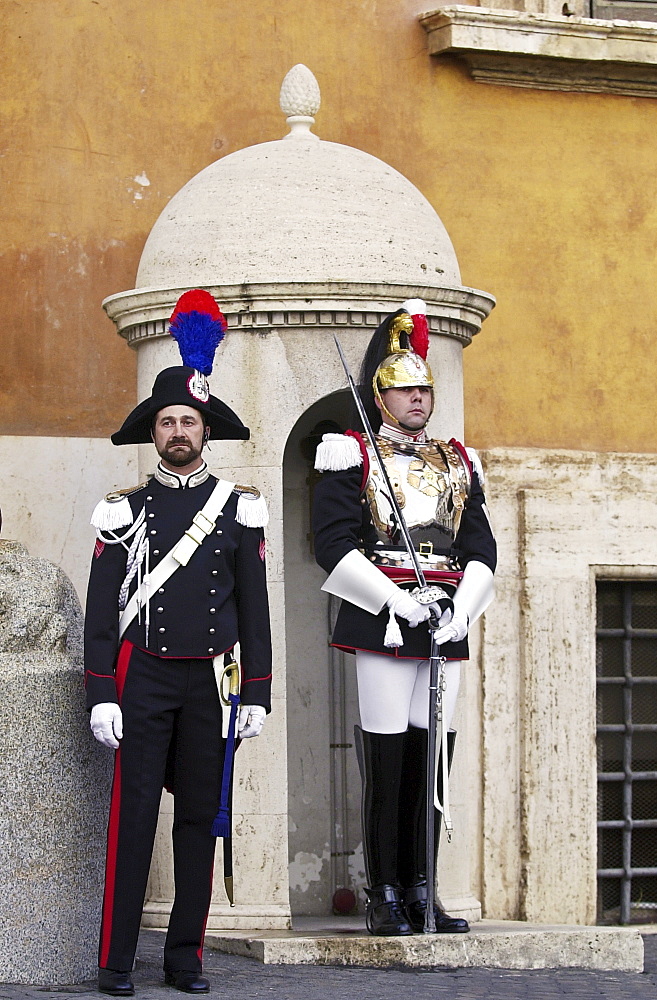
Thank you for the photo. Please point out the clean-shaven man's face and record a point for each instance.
(410, 406)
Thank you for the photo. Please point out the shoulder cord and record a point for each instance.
(115, 539)
(136, 554)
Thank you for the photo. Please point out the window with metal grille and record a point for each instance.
(627, 751)
(624, 10)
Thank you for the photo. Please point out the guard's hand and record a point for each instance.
(405, 606)
(250, 721)
(456, 630)
(441, 617)
(107, 724)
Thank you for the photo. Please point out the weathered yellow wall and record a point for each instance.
(549, 198)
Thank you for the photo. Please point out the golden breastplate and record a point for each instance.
(431, 483)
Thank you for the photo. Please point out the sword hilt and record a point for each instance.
(437, 598)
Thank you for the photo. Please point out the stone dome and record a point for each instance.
(298, 210)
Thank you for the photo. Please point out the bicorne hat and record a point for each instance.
(198, 326)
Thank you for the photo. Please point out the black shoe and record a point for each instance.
(384, 912)
(188, 982)
(415, 906)
(117, 984)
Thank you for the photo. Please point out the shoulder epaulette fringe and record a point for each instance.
(476, 464)
(112, 515)
(337, 452)
(114, 511)
(251, 507)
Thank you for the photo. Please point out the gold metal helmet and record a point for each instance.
(404, 366)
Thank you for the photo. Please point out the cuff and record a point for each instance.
(357, 580)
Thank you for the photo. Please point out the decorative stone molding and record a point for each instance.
(300, 100)
(518, 49)
(143, 314)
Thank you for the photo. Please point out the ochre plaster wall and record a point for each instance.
(549, 198)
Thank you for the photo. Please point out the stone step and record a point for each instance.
(492, 944)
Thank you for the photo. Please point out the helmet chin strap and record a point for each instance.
(412, 430)
(396, 425)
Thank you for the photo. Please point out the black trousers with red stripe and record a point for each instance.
(171, 730)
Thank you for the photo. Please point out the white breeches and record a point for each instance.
(393, 693)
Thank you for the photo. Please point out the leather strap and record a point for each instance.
(202, 525)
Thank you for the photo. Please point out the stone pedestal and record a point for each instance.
(54, 781)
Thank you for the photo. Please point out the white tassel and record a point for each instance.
(337, 452)
(110, 516)
(252, 511)
(393, 637)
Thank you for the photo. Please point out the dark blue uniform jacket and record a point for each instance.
(202, 610)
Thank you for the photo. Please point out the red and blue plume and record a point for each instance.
(419, 338)
(198, 327)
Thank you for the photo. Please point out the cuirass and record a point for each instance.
(431, 482)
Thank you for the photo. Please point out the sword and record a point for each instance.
(231, 674)
(436, 718)
(430, 596)
(394, 503)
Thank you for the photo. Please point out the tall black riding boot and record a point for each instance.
(412, 837)
(380, 763)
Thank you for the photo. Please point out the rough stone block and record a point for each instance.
(54, 781)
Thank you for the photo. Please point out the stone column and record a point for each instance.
(54, 781)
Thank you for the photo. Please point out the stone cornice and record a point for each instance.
(143, 313)
(547, 52)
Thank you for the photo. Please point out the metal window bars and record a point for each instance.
(627, 751)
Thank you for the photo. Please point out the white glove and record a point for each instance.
(107, 724)
(250, 721)
(473, 595)
(405, 606)
(456, 630)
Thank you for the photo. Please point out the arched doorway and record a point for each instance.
(325, 850)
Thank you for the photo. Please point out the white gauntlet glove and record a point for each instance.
(107, 724)
(250, 720)
(405, 606)
(473, 595)
(456, 630)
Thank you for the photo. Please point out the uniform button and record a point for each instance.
(161, 590)
(149, 498)
(213, 611)
(217, 552)
(213, 592)
(210, 650)
(220, 532)
(151, 515)
(164, 649)
(161, 630)
(214, 572)
(153, 531)
(221, 513)
(160, 610)
(211, 631)
(156, 552)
